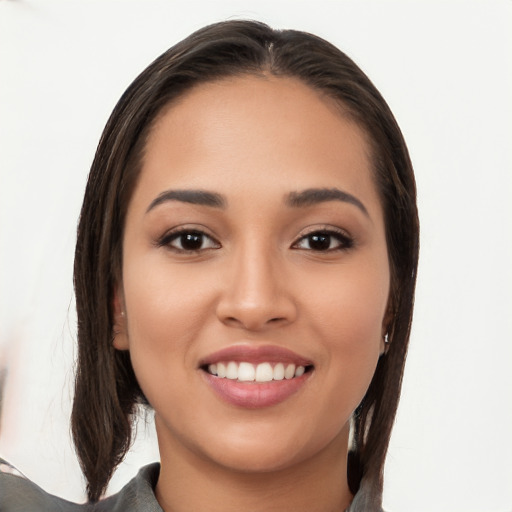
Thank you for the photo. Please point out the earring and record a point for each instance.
(116, 328)
(386, 338)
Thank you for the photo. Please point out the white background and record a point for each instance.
(445, 69)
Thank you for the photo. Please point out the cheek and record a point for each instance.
(351, 304)
(348, 316)
(163, 304)
(165, 313)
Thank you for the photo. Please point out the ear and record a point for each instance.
(386, 322)
(120, 333)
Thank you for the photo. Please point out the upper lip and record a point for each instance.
(255, 354)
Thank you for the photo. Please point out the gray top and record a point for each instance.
(18, 494)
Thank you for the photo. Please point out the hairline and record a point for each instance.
(135, 159)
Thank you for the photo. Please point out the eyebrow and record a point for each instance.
(313, 196)
(304, 198)
(200, 197)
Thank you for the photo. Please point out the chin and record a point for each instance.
(267, 452)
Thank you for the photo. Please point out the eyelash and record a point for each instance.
(168, 238)
(344, 241)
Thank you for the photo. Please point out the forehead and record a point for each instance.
(279, 104)
(252, 130)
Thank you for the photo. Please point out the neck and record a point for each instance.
(188, 481)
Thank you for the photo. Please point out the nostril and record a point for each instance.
(255, 314)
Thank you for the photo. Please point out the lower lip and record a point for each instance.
(255, 395)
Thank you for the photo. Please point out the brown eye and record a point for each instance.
(189, 241)
(323, 241)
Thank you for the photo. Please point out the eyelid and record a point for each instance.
(174, 233)
(346, 240)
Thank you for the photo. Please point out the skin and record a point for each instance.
(254, 281)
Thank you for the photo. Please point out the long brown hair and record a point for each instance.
(106, 390)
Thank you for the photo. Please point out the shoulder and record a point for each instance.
(367, 499)
(136, 496)
(18, 494)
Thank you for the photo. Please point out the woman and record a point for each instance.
(245, 266)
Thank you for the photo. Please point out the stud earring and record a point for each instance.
(386, 338)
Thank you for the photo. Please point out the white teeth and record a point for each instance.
(263, 372)
(246, 372)
(221, 370)
(279, 371)
(289, 373)
(232, 371)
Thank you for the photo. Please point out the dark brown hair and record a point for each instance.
(106, 390)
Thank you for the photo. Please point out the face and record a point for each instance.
(255, 274)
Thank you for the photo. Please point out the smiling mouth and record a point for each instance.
(258, 373)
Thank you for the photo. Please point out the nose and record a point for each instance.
(255, 293)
